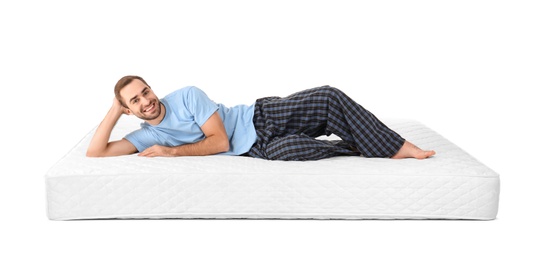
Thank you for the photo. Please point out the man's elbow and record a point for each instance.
(224, 145)
(92, 154)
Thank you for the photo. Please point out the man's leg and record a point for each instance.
(354, 124)
(322, 111)
(373, 138)
(303, 148)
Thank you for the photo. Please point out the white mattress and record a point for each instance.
(451, 185)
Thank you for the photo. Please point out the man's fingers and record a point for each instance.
(151, 152)
(146, 152)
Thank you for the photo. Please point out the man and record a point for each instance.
(187, 123)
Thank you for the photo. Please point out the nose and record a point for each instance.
(144, 101)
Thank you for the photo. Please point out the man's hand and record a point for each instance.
(116, 106)
(157, 150)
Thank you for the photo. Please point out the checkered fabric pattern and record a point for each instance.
(287, 127)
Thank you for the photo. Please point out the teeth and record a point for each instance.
(149, 108)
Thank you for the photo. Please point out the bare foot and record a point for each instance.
(409, 150)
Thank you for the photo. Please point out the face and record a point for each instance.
(141, 101)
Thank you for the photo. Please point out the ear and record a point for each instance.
(127, 111)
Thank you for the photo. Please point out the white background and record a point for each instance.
(464, 68)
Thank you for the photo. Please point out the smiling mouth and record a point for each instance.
(150, 108)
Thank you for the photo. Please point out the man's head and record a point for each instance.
(136, 95)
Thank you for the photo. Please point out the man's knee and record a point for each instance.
(334, 94)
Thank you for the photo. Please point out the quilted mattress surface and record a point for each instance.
(450, 185)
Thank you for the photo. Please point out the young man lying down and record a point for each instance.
(187, 122)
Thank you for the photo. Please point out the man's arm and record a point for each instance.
(216, 141)
(100, 145)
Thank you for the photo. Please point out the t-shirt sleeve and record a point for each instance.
(141, 139)
(200, 105)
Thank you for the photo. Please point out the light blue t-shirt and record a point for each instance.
(187, 109)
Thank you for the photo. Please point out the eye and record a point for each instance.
(146, 92)
(135, 101)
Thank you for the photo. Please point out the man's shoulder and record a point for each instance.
(178, 92)
(181, 93)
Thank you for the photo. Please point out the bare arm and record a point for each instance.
(216, 141)
(100, 145)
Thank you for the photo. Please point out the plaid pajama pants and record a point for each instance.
(287, 127)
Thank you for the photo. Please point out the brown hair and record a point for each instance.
(122, 83)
